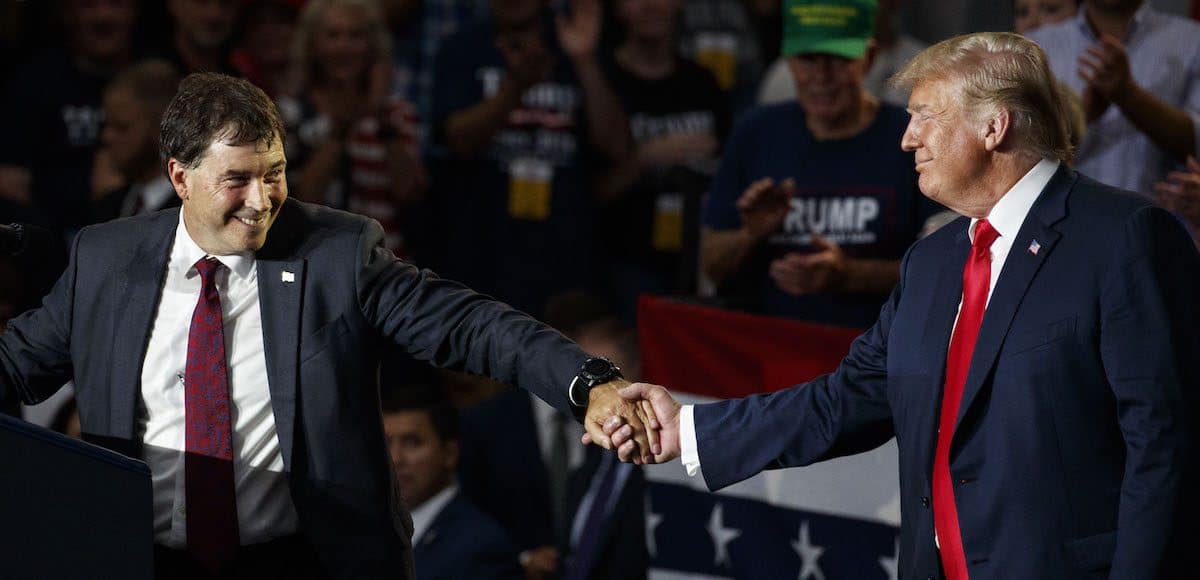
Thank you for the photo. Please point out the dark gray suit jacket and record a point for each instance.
(323, 335)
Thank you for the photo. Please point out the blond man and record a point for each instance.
(1034, 363)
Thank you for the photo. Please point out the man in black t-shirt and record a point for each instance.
(52, 114)
(522, 108)
(678, 116)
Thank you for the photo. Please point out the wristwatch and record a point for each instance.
(595, 371)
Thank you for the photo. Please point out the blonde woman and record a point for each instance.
(352, 145)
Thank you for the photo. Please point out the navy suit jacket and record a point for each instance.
(1071, 439)
(323, 334)
(463, 542)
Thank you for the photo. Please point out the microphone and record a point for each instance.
(12, 239)
(15, 237)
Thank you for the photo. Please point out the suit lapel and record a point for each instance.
(1020, 267)
(143, 278)
(280, 292)
(936, 340)
(279, 301)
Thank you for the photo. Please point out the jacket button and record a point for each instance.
(925, 501)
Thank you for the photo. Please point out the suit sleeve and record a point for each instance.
(1148, 343)
(35, 351)
(448, 325)
(838, 414)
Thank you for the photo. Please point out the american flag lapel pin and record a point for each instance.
(1034, 246)
(287, 276)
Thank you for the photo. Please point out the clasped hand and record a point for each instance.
(639, 421)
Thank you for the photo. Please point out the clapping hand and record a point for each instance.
(1105, 68)
(799, 274)
(764, 205)
(1180, 193)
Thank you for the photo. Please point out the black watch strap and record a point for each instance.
(595, 371)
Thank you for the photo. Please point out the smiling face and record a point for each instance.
(205, 23)
(948, 145)
(233, 195)
(829, 87)
(342, 43)
(102, 29)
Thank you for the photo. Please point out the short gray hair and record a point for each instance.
(1000, 70)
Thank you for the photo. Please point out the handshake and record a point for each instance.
(639, 421)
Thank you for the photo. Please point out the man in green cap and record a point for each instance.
(814, 204)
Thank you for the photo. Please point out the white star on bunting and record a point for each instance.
(809, 554)
(721, 536)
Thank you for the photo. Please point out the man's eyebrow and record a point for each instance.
(278, 164)
(232, 173)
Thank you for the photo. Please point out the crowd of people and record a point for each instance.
(565, 158)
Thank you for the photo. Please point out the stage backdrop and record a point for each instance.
(833, 520)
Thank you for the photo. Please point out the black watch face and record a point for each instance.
(597, 367)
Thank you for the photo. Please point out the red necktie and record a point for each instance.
(977, 277)
(212, 526)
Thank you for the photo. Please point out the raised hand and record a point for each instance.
(764, 205)
(579, 30)
(608, 412)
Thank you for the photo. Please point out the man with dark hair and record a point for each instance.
(451, 537)
(133, 107)
(235, 345)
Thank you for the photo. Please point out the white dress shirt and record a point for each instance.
(424, 514)
(264, 502)
(1006, 217)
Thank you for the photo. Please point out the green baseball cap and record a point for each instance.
(840, 27)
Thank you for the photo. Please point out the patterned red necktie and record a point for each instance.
(976, 278)
(212, 525)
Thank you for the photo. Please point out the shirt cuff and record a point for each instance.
(689, 450)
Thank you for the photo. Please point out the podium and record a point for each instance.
(69, 509)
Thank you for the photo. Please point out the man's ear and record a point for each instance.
(177, 173)
(997, 129)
